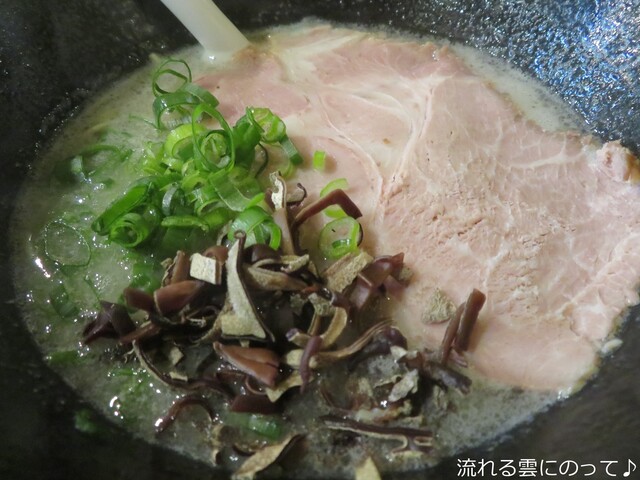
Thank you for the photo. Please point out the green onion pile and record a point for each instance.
(204, 176)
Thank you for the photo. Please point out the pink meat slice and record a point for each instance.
(449, 172)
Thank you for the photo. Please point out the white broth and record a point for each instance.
(90, 268)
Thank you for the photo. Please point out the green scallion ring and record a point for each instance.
(339, 237)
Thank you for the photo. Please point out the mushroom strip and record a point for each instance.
(178, 406)
(459, 330)
(281, 214)
(296, 197)
(450, 335)
(112, 321)
(372, 277)
(335, 197)
(265, 279)
(326, 358)
(311, 348)
(323, 358)
(186, 383)
(331, 334)
(139, 299)
(175, 296)
(260, 363)
(201, 329)
(441, 374)
(468, 320)
(178, 271)
(145, 331)
(412, 439)
(382, 344)
(247, 319)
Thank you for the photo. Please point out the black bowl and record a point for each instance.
(54, 54)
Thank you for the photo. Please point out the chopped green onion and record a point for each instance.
(238, 190)
(173, 201)
(85, 421)
(259, 227)
(134, 197)
(118, 371)
(64, 358)
(194, 180)
(337, 184)
(274, 234)
(291, 151)
(184, 221)
(201, 179)
(213, 152)
(61, 303)
(203, 198)
(339, 237)
(272, 129)
(217, 218)
(293, 157)
(98, 155)
(264, 425)
(88, 162)
(221, 152)
(319, 160)
(172, 240)
(247, 137)
(205, 96)
(170, 109)
(65, 245)
(152, 157)
(260, 160)
(133, 228)
(179, 143)
(247, 221)
(167, 72)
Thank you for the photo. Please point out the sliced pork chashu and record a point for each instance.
(447, 170)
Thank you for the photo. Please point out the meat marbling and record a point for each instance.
(448, 171)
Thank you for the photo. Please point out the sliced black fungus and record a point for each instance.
(138, 299)
(175, 296)
(261, 363)
(335, 197)
(380, 345)
(450, 335)
(258, 252)
(205, 382)
(281, 218)
(178, 271)
(438, 373)
(469, 317)
(460, 327)
(112, 321)
(185, 310)
(297, 196)
(412, 439)
(311, 348)
(336, 299)
(370, 280)
(144, 332)
(178, 406)
(219, 252)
